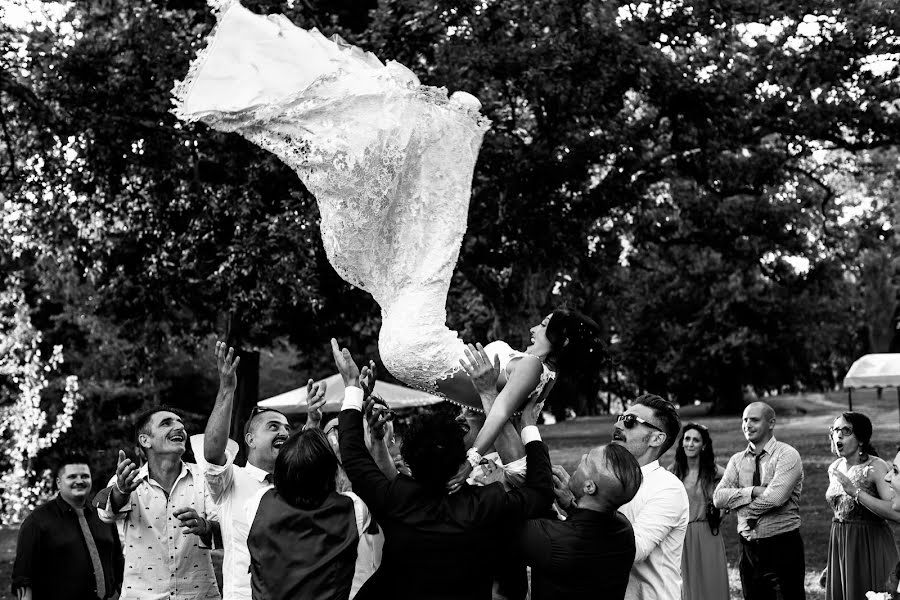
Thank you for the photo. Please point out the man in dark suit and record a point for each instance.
(589, 555)
(437, 545)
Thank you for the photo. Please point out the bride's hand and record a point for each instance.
(481, 372)
(345, 365)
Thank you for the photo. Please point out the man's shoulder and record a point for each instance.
(786, 450)
(41, 512)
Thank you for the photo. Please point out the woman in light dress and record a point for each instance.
(390, 162)
(704, 569)
(861, 551)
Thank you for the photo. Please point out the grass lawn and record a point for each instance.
(802, 422)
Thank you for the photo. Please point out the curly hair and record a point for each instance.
(433, 448)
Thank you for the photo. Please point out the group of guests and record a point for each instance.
(338, 512)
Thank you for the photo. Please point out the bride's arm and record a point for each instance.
(522, 381)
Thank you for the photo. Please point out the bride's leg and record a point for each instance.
(458, 389)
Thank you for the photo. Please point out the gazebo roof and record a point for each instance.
(396, 396)
(874, 371)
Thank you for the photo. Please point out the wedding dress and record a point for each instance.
(389, 160)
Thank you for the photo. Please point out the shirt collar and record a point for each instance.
(144, 473)
(255, 472)
(770, 445)
(650, 467)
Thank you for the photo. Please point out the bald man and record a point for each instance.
(762, 484)
(589, 555)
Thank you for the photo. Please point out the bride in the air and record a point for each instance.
(390, 162)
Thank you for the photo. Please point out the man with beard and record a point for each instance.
(64, 551)
(158, 509)
(230, 485)
(659, 511)
(762, 483)
(589, 555)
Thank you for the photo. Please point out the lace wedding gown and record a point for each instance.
(389, 161)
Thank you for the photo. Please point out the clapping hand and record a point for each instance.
(480, 370)
(127, 479)
(227, 364)
(315, 400)
(345, 365)
(849, 487)
(377, 416)
(192, 522)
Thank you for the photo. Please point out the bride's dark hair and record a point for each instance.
(576, 343)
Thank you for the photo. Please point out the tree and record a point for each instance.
(25, 427)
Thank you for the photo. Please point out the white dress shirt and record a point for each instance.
(659, 515)
(231, 487)
(162, 562)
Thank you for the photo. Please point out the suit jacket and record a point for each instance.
(438, 545)
(589, 555)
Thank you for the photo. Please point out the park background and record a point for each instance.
(714, 182)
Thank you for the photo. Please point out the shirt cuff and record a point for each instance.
(353, 398)
(211, 470)
(530, 434)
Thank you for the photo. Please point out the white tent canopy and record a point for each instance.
(874, 371)
(396, 396)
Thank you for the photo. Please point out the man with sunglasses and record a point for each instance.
(659, 511)
(230, 485)
(762, 484)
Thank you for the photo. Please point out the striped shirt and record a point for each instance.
(777, 509)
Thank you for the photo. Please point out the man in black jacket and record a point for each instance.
(437, 545)
(589, 555)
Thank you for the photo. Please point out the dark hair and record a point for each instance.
(71, 458)
(142, 423)
(627, 471)
(707, 458)
(433, 448)
(576, 343)
(305, 469)
(862, 429)
(666, 413)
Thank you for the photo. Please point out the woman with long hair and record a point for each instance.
(861, 551)
(703, 567)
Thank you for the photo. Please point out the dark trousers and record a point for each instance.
(773, 568)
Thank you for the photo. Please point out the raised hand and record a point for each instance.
(377, 416)
(367, 379)
(849, 487)
(126, 475)
(345, 365)
(480, 370)
(227, 364)
(192, 522)
(315, 400)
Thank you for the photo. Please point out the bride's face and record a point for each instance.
(540, 345)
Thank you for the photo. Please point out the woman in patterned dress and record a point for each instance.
(861, 552)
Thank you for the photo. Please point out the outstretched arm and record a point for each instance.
(522, 382)
(215, 438)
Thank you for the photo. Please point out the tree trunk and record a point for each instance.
(245, 398)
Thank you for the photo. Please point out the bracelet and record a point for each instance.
(473, 457)
(856, 495)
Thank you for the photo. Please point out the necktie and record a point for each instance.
(92, 550)
(757, 480)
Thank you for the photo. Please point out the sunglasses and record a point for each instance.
(630, 420)
(844, 431)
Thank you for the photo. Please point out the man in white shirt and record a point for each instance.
(231, 486)
(659, 511)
